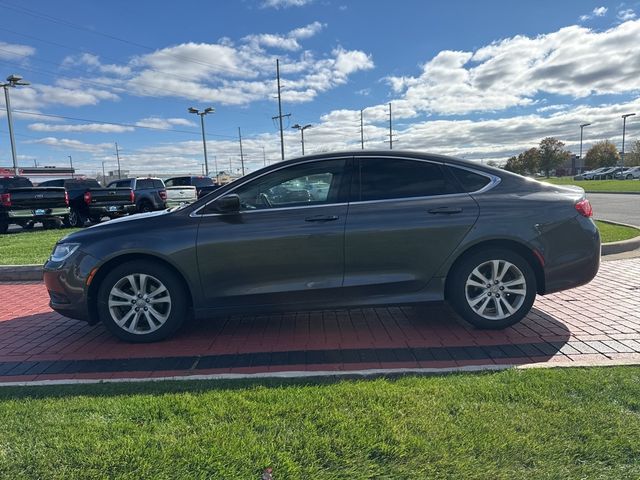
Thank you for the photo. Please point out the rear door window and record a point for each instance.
(391, 178)
(470, 181)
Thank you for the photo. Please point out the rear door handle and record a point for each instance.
(445, 210)
(321, 218)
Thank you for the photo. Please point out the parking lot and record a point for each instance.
(597, 323)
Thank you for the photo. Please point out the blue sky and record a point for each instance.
(481, 80)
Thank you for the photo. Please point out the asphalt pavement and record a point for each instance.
(623, 208)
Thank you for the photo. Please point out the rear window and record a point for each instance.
(7, 183)
(470, 181)
(201, 181)
(88, 183)
(144, 184)
(158, 184)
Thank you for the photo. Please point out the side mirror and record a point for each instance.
(227, 204)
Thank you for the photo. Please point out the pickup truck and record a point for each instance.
(149, 194)
(23, 204)
(177, 196)
(88, 200)
(204, 185)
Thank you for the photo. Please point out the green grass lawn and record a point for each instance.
(23, 248)
(516, 424)
(614, 233)
(598, 185)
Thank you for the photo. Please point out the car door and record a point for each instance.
(283, 247)
(405, 218)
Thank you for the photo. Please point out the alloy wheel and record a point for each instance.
(495, 289)
(139, 303)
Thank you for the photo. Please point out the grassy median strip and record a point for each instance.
(547, 423)
(25, 248)
(610, 232)
(598, 185)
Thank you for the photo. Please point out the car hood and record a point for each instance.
(127, 222)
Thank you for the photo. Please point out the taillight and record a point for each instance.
(5, 198)
(584, 208)
(132, 196)
(87, 198)
(163, 194)
(66, 197)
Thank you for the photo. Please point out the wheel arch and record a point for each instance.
(109, 265)
(523, 250)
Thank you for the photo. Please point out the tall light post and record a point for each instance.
(297, 126)
(71, 164)
(624, 127)
(103, 174)
(581, 129)
(204, 141)
(12, 81)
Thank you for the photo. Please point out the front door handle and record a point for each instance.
(321, 218)
(445, 210)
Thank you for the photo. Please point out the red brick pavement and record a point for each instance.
(599, 322)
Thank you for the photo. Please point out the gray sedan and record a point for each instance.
(391, 228)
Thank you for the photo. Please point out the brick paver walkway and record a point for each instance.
(599, 322)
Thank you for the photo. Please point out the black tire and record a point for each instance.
(178, 302)
(629, 177)
(458, 290)
(76, 219)
(28, 225)
(4, 227)
(145, 206)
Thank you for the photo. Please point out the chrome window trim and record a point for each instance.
(196, 214)
(493, 181)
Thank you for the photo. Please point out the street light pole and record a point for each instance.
(624, 127)
(581, 129)
(204, 140)
(12, 81)
(103, 174)
(71, 163)
(297, 126)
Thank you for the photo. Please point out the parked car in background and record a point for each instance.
(149, 194)
(88, 200)
(177, 196)
(607, 174)
(204, 185)
(628, 173)
(394, 228)
(23, 204)
(591, 174)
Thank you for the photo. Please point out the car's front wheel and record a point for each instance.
(492, 288)
(142, 302)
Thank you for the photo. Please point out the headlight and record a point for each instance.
(62, 251)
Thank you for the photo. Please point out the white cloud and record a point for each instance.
(157, 122)
(596, 12)
(68, 144)
(285, 3)
(626, 14)
(93, 63)
(84, 128)
(574, 61)
(11, 51)
(284, 42)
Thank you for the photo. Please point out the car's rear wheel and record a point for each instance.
(629, 177)
(492, 288)
(4, 226)
(145, 206)
(76, 219)
(142, 302)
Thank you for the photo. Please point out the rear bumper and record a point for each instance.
(572, 255)
(31, 214)
(108, 210)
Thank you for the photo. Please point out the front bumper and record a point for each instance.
(67, 285)
(35, 214)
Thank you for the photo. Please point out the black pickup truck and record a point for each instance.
(90, 201)
(23, 204)
(204, 185)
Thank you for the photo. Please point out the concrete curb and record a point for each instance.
(22, 273)
(329, 375)
(613, 193)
